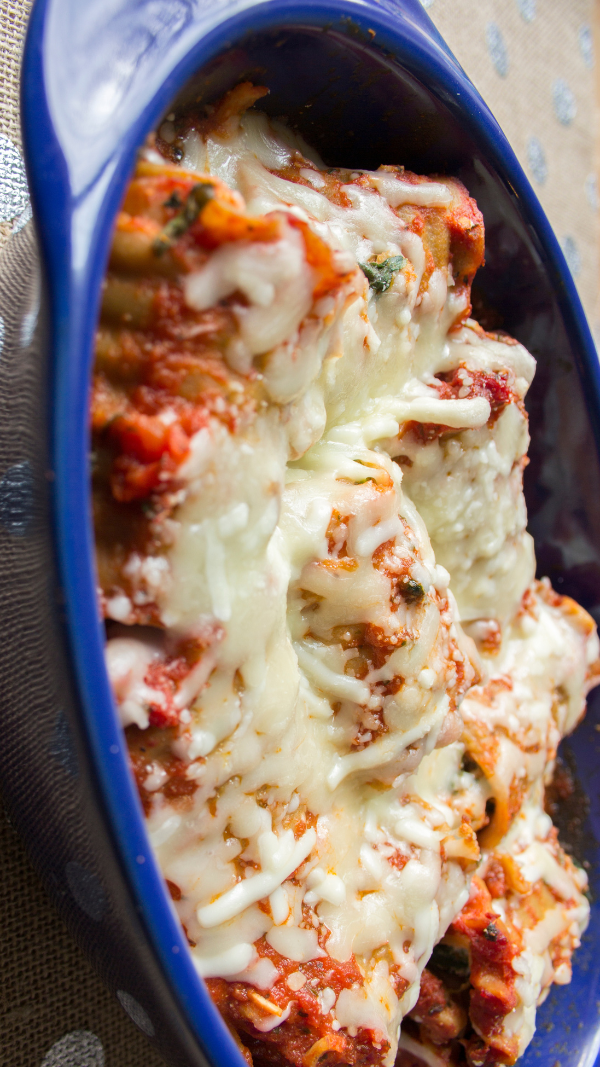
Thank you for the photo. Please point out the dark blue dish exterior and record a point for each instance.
(368, 82)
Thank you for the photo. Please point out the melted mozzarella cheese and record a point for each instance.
(478, 473)
(311, 731)
(547, 944)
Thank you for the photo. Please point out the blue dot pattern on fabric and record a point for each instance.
(497, 48)
(571, 254)
(79, 1048)
(17, 498)
(586, 45)
(527, 9)
(591, 191)
(136, 1013)
(536, 158)
(62, 745)
(563, 101)
(86, 891)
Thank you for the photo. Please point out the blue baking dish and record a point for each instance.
(366, 81)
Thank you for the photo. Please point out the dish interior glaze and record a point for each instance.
(365, 83)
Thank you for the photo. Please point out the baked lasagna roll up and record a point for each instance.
(281, 643)
(287, 382)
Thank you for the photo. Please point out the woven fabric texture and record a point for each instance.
(533, 62)
(54, 1010)
(13, 24)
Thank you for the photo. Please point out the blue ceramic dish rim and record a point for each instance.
(415, 45)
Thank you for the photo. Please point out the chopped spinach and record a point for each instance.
(197, 198)
(411, 591)
(174, 201)
(381, 275)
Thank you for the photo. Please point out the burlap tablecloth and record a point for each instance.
(533, 62)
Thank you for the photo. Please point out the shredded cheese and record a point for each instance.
(345, 550)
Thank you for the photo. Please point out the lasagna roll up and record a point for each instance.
(289, 403)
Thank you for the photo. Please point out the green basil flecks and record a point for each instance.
(381, 275)
(411, 590)
(174, 201)
(196, 199)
